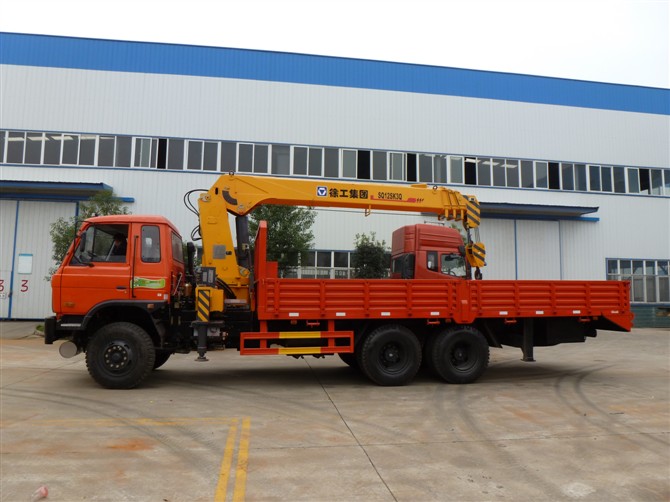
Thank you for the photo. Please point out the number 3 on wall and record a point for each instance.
(24, 286)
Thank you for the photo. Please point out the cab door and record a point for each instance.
(94, 273)
(150, 270)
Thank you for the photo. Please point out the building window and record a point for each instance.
(471, 171)
(363, 165)
(145, 152)
(16, 143)
(527, 177)
(228, 156)
(106, 151)
(541, 175)
(580, 178)
(261, 158)
(34, 144)
(52, 149)
(307, 161)
(634, 181)
(397, 163)
(607, 178)
(619, 179)
(123, 151)
(425, 168)
(202, 155)
(315, 162)
(484, 172)
(175, 154)
(379, 166)
(512, 172)
(331, 162)
(440, 169)
(554, 176)
(87, 144)
(456, 170)
(281, 159)
(349, 163)
(649, 279)
(48, 148)
(656, 181)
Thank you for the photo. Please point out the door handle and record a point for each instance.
(121, 288)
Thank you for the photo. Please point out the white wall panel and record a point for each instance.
(31, 293)
(7, 234)
(498, 237)
(538, 250)
(201, 107)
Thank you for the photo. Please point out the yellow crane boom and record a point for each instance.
(239, 194)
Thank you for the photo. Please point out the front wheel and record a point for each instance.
(458, 355)
(390, 355)
(120, 355)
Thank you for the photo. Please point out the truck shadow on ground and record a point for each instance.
(510, 372)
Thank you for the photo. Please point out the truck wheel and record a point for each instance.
(390, 355)
(120, 355)
(459, 355)
(161, 357)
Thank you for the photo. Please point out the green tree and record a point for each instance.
(62, 231)
(370, 258)
(289, 233)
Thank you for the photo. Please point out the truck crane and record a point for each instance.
(130, 313)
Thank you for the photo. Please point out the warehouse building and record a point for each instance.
(573, 176)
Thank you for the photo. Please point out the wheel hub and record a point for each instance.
(391, 354)
(117, 356)
(460, 355)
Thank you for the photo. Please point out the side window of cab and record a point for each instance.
(150, 244)
(431, 260)
(102, 243)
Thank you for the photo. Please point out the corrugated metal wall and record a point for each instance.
(246, 110)
(26, 256)
(210, 107)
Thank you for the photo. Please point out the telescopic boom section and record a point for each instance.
(243, 193)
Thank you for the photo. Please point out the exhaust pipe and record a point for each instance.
(69, 349)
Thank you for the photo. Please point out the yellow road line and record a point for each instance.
(226, 470)
(222, 486)
(242, 462)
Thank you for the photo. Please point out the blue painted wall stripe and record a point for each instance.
(160, 58)
(11, 275)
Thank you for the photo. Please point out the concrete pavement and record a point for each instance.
(585, 422)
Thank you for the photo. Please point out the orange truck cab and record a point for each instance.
(424, 251)
(118, 267)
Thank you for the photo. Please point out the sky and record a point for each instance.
(617, 41)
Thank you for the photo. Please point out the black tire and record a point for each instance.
(162, 357)
(349, 359)
(120, 355)
(390, 355)
(459, 354)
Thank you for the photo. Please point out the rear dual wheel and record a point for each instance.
(457, 355)
(390, 355)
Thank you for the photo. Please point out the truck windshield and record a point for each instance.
(453, 264)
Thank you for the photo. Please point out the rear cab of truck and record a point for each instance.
(424, 251)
